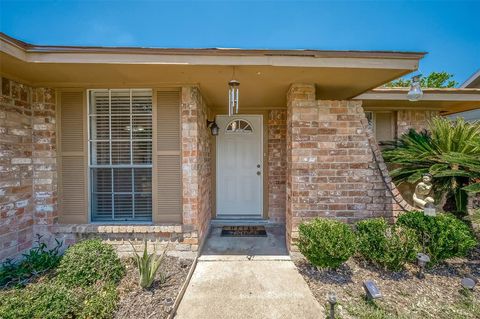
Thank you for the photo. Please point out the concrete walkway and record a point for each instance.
(253, 278)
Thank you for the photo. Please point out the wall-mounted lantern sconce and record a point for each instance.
(213, 127)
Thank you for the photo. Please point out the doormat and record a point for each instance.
(244, 231)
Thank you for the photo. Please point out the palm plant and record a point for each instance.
(449, 150)
(148, 266)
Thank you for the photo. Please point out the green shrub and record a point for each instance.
(388, 246)
(99, 302)
(90, 261)
(84, 287)
(442, 236)
(326, 243)
(36, 261)
(54, 300)
(40, 300)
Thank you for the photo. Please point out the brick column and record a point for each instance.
(302, 116)
(277, 165)
(196, 166)
(334, 166)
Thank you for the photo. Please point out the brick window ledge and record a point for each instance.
(117, 229)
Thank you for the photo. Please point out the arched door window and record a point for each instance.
(239, 126)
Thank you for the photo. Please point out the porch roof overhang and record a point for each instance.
(473, 81)
(445, 100)
(265, 75)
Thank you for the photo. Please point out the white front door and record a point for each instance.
(240, 166)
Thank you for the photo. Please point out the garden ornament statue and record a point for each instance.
(422, 191)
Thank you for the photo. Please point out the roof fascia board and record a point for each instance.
(335, 59)
(470, 79)
(425, 97)
(281, 61)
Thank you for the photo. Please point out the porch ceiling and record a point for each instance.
(265, 75)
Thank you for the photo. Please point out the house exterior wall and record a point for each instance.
(407, 119)
(28, 185)
(334, 166)
(321, 161)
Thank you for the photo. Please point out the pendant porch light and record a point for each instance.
(415, 93)
(233, 93)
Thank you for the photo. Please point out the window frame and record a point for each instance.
(132, 166)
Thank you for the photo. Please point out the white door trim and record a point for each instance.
(251, 118)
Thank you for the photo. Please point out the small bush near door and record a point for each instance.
(443, 236)
(326, 243)
(385, 245)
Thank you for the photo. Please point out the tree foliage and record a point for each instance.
(449, 150)
(433, 80)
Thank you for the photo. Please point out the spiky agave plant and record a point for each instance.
(148, 265)
(449, 150)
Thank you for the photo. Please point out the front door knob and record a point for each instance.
(258, 173)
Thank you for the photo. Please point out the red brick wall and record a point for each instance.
(331, 168)
(277, 165)
(27, 165)
(196, 159)
(407, 119)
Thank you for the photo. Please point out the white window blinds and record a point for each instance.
(120, 146)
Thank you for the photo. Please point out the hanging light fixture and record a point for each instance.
(415, 93)
(233, 91)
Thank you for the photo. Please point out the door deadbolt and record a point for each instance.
(258, 165)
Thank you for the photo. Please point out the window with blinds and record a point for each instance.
(120, 146)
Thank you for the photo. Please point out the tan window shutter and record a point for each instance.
(72, 158)
(168, 162)
(384, 126)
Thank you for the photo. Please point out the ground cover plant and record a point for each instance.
(82, 286)
(35, 262)
(89, 262)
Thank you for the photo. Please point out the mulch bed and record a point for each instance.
(437, 296)
(156, 302)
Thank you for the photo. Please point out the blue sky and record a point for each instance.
(448, 30)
